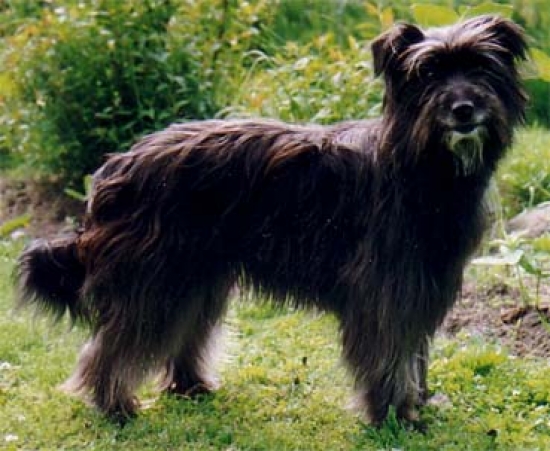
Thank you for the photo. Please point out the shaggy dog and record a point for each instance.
(373, 221)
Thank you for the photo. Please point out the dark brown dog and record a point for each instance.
(371, 220)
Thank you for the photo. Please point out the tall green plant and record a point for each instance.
(321, 82)
(88, 78)
(91, 78)
(82, 79)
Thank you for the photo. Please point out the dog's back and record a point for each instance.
(238, 197)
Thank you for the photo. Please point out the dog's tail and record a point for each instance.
(50, 276)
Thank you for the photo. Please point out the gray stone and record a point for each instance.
(531, 223)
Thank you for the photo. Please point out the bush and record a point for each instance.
(88, 78)
(303, 21)
(82, 79)
(320, 82)
(92, 78)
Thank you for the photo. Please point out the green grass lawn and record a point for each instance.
(284, 389)
(283, 386)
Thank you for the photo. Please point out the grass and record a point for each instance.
(283, 387)
(524, 178)
(283, 390)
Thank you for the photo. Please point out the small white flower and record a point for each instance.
(11, 438)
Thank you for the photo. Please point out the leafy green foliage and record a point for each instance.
(86, 79)
(82, 79)
(433, 15)
(521, 258)
(94, 78)
(81, 196)
(524, 177)
(303, 21)
(6, 228)
(523, 182)
(319, 82)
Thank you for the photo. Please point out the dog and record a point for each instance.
(370, 220)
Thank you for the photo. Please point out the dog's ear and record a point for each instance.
(509, 36)
(387, 47)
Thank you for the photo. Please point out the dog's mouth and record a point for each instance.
(465, 141)
(466, 129)
(465, 132)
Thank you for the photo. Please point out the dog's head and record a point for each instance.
(458, 84)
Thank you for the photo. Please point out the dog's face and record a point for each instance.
(458, 84)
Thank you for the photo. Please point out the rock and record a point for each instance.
(531, 223)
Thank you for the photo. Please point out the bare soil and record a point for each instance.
(496, 313)
(50, 210)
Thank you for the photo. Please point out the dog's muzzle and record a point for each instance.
(465, 134)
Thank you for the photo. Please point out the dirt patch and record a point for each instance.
(49, 209)
(496, 313)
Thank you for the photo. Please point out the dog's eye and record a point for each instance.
(432, 68)
(427, 71)
(427, 74)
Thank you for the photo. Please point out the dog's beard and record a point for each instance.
(467, 148)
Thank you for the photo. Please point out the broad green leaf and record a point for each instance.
(7, 86)
(529, 267)
(12, 225)
(353, 44)
(372, 10)
(75, 194)
(511, 258)
(386, 18)
(433, 15)
(487, 8)
(88, 181)
(542, 62)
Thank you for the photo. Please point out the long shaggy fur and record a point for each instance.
(371, 220)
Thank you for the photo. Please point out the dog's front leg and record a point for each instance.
(418, 371)
(389, 369)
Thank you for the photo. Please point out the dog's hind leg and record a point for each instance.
(109, 371)
(189, 369)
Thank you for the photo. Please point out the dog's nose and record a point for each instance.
(463, 111)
